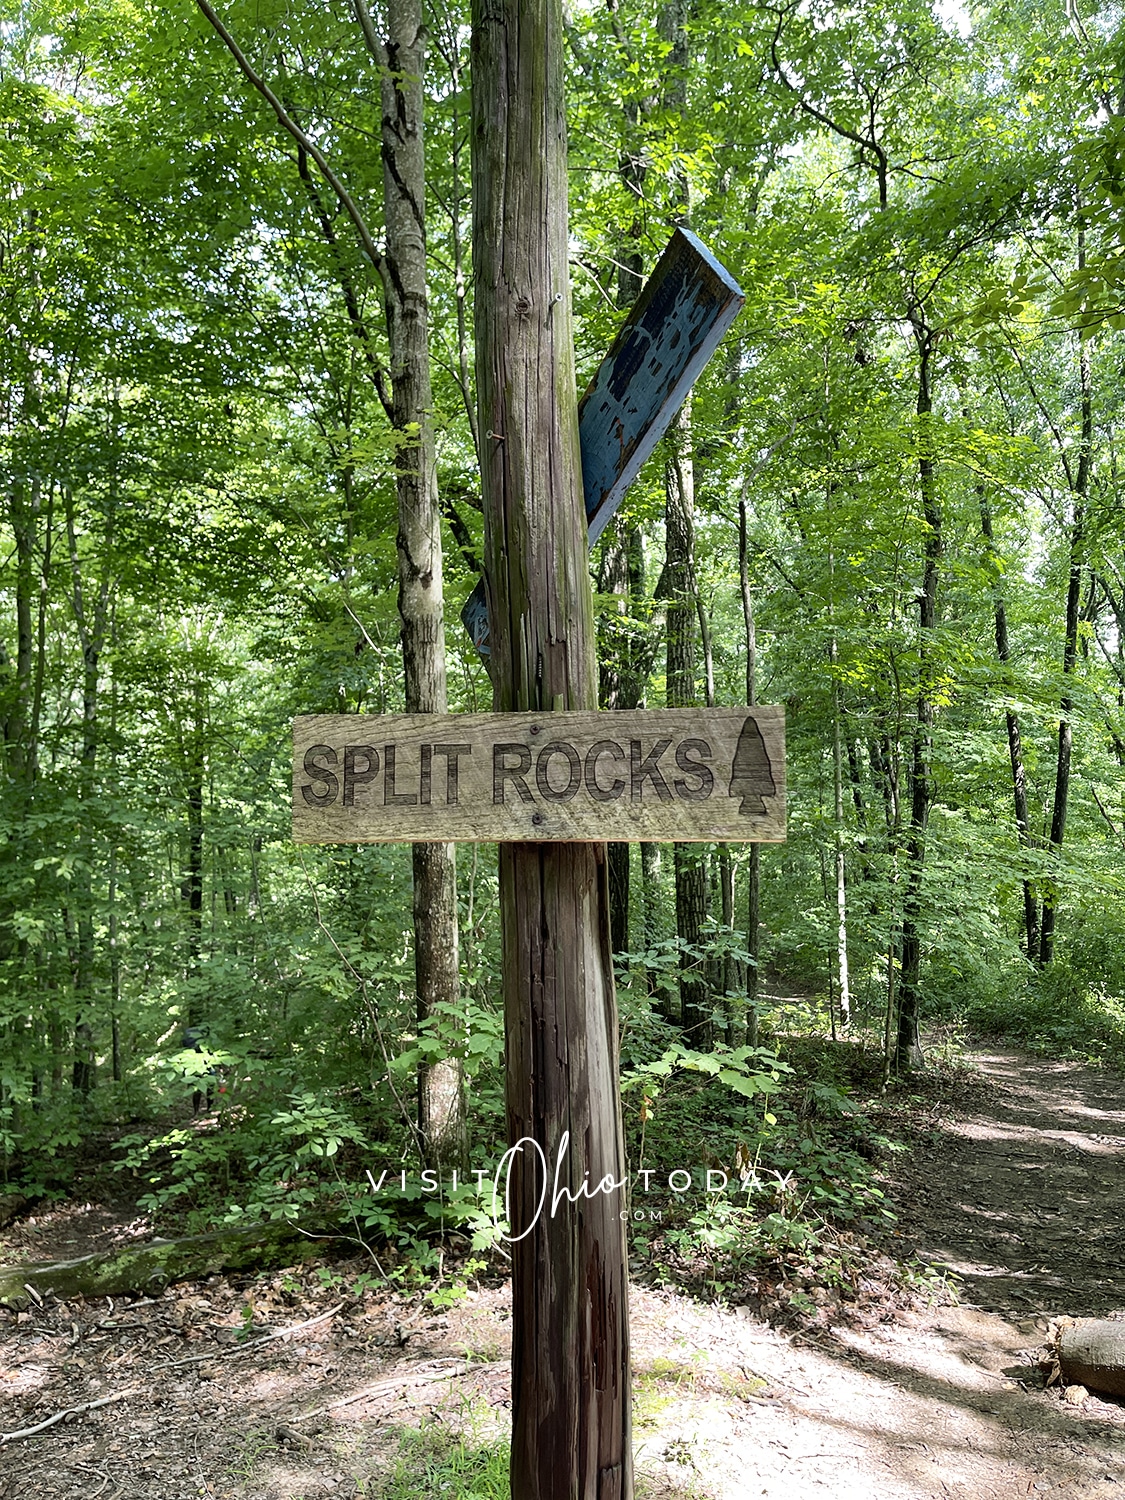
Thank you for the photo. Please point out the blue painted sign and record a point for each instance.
(675, 326)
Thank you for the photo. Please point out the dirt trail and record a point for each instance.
(1023, 1193)
(1025, 1196)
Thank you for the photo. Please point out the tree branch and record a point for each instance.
(347, 290)
(370, 35)
(288, 124)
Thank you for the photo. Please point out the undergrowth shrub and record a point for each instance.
(1061, 1011)
(787, 1134)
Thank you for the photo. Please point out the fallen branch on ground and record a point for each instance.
(403, 1382)
(268, 1338)
(70, 1411)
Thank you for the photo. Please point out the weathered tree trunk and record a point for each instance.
(908, 1051)
(402, 269)
(1080, 486)
(570, 1352)
(441, 1094)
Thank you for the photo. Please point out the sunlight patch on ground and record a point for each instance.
(26, 1378)
(977, 1130)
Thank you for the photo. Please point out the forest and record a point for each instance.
(238, 402)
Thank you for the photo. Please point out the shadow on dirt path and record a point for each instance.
(1024, 1197)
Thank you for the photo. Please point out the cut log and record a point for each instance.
(152, 1266)
(1092, 1353)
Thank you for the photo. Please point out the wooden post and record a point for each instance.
(570, 1346)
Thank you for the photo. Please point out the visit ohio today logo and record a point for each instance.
(552, 1194)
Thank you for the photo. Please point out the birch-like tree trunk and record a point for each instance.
(838, 805)
(400, 57)
(441, 1101)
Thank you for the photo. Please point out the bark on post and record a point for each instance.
(441, 1109)
(570, 1361)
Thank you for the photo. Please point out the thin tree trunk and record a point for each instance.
(680, 615)
(614, 693)
(623, 681)
(21, 749)
(570, 1354)
(753, 896)
(619, 892)
(1012, 724)
(841, 883)
(689, 862)
(650, 911)
(838, 807)
(91, 623)
(908, 1051)
(728, 978)
(402, 270)
(721, 978)
(883, 769)
(192, 888)
(1080, 489)
(441, 1091)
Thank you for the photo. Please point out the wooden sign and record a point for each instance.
(648, 774)
(674, 327)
